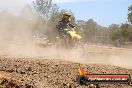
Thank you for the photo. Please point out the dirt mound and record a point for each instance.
(48, 73)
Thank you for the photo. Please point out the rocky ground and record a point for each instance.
(50, 73)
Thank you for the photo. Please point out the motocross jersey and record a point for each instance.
(63, 25)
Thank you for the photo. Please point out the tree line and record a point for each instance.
(48, 14)
(90, 31)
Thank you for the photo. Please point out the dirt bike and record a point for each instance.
(71, 40)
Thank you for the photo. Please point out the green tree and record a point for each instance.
(114, 32)
(130, 32)
(130, 14)
(49, 15)
(124, 32)
(44, 8)
(90, 29)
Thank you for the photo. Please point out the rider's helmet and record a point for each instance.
(66, 17)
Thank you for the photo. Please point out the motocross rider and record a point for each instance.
(64, 24)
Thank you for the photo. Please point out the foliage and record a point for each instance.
(44, 8)
(90, 29)
(49, 14)
(130, 14)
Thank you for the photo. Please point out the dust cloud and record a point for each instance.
(16, 32)
(107, 56)
(16, 39)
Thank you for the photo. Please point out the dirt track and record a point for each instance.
(59, 71)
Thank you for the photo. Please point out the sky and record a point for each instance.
(104, 12)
